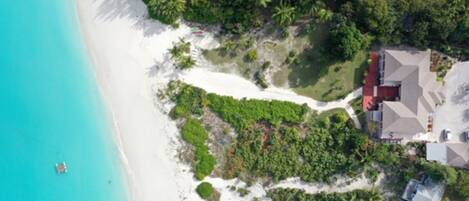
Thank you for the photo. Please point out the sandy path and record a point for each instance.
(239, 87)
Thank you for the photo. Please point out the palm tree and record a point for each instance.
(180, 48)
(312, 7)
(185, 46)
(284, 14)
(263, 3)
(186, 62)
(324, 15)
(176, 51)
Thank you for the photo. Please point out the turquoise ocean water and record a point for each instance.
(50, 109)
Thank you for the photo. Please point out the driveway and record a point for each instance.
(454, 113)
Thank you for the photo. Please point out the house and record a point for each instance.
(425, 190)
(452, 154)
(401, 93)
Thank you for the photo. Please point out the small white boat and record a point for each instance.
(61, 168)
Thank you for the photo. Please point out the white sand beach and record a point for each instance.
(130, 57)
(125, 47)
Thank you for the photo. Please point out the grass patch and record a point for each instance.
(326, 80)
(318, 76)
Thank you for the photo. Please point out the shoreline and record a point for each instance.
(114, 32)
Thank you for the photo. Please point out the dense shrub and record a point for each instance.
(345, 41)
(300, 195)
(194, 133)
(166, 11)
(205, 190)
(251, 55)
(461, 187)
(190, 100)
(325, 150)
(242, 113)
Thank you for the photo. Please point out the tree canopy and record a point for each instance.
(345, 41)
(167, 11)
(438, 24)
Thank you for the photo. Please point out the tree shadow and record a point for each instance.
(311, 67)
(359, 74)
(313, 63)
(135, 11)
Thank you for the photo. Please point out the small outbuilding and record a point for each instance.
(424, 190)
(452, 154)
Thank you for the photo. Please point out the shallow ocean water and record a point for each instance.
(51, 110)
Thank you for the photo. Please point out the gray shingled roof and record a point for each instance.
(453, 154)
(419, 95)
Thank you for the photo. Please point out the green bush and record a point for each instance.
(194, 133)
(251, 55)
(319, 152)
(166, 11)
(205, 190)
(190, 100)
(242, 113)
(205, 162)
(345, 41)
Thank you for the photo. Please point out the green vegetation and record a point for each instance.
(194, 133)
(328, 146)
(205, 190)
(190, 100)
(276, 140)
(166, 11)
(437, 24)
(180, 53)
(242, 114)
(357, 105)
(300, 195)
(284, 14)
(326, 80)
(459, 189)
(243, 192)
(345, 41)
(251, 55)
